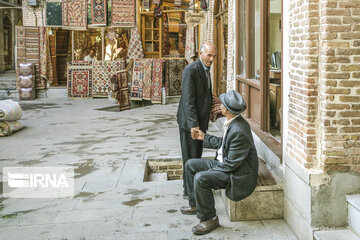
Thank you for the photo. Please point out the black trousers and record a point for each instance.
(200, 181)
(189, 149)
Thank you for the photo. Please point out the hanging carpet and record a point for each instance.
(157, 77)
(135, 50)
(74, 14)
(79, 81)
(102, 72)
(137, 81)
(173, 76)
(123, 13)
(147, 71)
(98, 12)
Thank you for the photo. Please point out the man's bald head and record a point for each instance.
(207, 53)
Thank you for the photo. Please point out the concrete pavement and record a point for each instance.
(108, 151)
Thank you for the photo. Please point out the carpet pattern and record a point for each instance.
(123, 13)
(147, 80)
(135, 50)
(79, 81)
(98, 12)
(157, 77)
(173, 76)
(102, 72)
(74, 13)
(137, 80)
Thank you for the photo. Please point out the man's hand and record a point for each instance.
(192, 131)
(197, 134)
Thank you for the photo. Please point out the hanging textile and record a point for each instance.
(156, 84)
(43, 54)
(98, 12)
(190, 45)
(20, 48)
(166, 35)
(123, 92)
(174, 68)
(123, 13)
(147, 71)
(137, 81)
(79, 80)
(135, 50)
(156, 2)
(102, 72)
(74, 14)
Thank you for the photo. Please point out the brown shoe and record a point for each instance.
(205, 227)
(188, 210)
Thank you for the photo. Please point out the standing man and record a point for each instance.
(90, 56)
(195, 103)
(235, 167)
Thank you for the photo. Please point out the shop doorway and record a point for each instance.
(221, 43)
(7, 43)
(62, 55)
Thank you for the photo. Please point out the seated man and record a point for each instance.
(235, 167)
(91, 56)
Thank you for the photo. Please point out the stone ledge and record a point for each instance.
(335, 235)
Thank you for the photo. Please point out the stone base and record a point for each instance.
(172, 99)
(266, 202)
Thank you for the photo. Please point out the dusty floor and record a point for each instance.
(108, 151)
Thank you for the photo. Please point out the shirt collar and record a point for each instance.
(205, 67)
(228, 122)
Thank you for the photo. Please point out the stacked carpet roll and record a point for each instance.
(10, 115)
(26, 81)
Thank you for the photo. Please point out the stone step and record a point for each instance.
(266, 202)
(336, 234)
(353, 202)
(9, 94)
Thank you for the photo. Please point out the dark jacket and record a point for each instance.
(240, 159)
(195, 102)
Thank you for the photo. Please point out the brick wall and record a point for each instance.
(33, 16)
(324, 101)
(304, 81)
(340, 78)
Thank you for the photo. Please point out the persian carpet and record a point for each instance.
(135, 50)
(26, 94)
(98, 12)
(7, 128)
(190, 44)
(147, 71)
(123, 13)
(157, 76)
(10, 110)
(173, 73)
(26, 81)
(52, 51)
(123, 94)
(137, 81)
(79, 81)
(74, 13)
(20, 47)
(32, 43)
(43, 54)
(102, 72)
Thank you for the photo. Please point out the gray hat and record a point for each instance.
(233, 101)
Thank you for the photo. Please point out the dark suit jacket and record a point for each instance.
(195, 102)
(240, 159)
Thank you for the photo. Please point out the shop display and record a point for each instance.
(74, 13)
(123, 13)
(157, 77)
(98, 12)
(79, 80)
(147, 71)
(120, 89)
(26, 81)
(173, 74)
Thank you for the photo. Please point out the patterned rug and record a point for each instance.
(135, 50)
(43, 54)
(137, 81)
(123, 94)
(74, 13)
(32, 44)
(98, 12)
(123, 13)
(21, 49)
(147, 80)
(190, 51)
(102, 72)
(156, 80)
(79, 81)
(173, 76)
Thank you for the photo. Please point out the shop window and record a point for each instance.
(163, 35)
(259, 62)
(84, 41)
